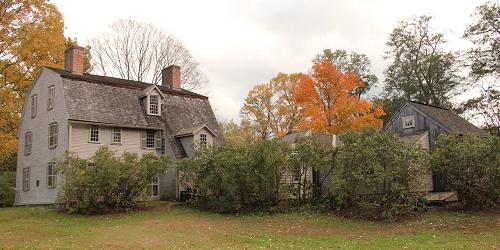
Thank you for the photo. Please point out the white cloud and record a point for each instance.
(243, 43)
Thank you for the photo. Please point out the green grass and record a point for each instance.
(177, 226)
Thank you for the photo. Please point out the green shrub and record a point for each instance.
(377, 175)
(235, 177)
(7, 188)
(107, 182)
(471, 166)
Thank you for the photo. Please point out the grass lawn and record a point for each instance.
(176, 226)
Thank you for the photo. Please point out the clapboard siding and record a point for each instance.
(80, 145)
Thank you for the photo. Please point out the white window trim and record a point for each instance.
(203, 143)
(34, 105)
(113, 135)
(51, 176)
(53, 135)
(148, 106)
(408, 118)
(90, 133)
(28, 143)
(151, 186)
(51, 97)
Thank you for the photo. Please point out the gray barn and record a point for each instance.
(422, 124)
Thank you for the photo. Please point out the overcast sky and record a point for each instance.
(242, 43)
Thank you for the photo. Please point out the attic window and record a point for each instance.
(408, 121)
(50, 103)
(153, 104)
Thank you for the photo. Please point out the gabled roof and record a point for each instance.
(446, 117)
(116, 102)
(193, 130)
(149, 89)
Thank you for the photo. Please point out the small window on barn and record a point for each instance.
(34, 100)
(94, 133)
(408, 121)
(52, 92)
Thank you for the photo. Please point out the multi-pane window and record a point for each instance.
(154, 187)
(28, 141)
(150, 139)
(203, 140)
(116, 135)
(53, 135)
(153, 104)
(52, 92)
(408, 121)
(34, 100)
(51, 176)
(94, 133)
(26, 179)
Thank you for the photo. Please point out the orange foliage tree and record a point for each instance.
(328, 105)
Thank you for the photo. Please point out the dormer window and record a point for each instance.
(153, 104)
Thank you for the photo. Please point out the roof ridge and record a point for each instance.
(434, 106)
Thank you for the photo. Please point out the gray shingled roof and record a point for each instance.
(448, 118)
(113, 101)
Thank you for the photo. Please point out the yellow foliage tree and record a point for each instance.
(31, 36)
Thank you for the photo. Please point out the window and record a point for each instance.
(150, 139)
(52, 91)
(94, 133)
(153, 104)
(26, 179)
(408, 121)
(203, 140)
(51, 176)
(28, 140)
(34, 104)
(117, 135)
(154, 187)
(53, 135)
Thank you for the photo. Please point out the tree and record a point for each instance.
(471, 165)
(31, 36)
(239, 134)
(484, 62)
(271, 107)
(87, 56)
(484, 33)
(328, 105)
(357, 63)
(420, 68)
(139, 51)
(377, 175)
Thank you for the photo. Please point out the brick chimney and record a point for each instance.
(171, 77)
(73, 59)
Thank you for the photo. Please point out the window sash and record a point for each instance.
(28, 141)
(116, 135)
(34, 100)
(203, 140)
(50, 102)
(150, 139)
(51, 176)
(26, 179)
(154, 187)
(153, 104)
(94, 133)
(53, 135)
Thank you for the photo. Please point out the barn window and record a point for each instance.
(408, 121)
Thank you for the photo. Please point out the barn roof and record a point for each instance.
(448, 118)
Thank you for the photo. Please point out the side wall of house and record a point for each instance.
(41, 155)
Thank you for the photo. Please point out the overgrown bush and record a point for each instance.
(106, 182)
(377, 175)
(235, 177)
(7, 188)
(471, 166)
